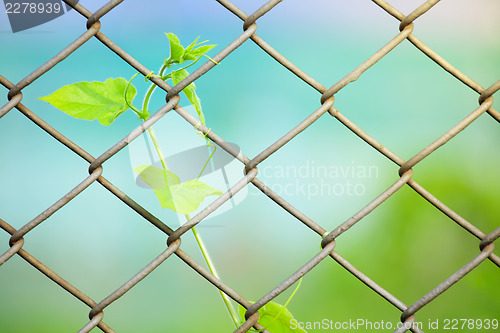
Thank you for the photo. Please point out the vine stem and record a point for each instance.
(232, 312)
(152, 88)
(157, 147)
(143, 115)
(199, 240)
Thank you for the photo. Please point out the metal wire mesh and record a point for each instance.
(408, 312)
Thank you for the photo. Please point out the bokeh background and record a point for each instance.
(405, 101)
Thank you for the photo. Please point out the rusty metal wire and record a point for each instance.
(250, 165)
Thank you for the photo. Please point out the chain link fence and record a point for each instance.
(326, 108)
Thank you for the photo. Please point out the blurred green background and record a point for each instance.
(405, 101)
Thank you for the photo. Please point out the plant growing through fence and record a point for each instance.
(106, 101)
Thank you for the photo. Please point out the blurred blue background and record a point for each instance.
(405, 101)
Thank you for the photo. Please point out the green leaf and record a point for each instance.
(192, 53)
(184, 198)
(104, 101)
(179, 54)
(176, 49)
(157, 178)
(275, 318)
(197, 52)
(192, 45)
(178, 76)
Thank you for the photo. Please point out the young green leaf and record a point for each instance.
(176, 49)
(197, 52)
(275, 318)
(184, 198)
(179, 54)
(104, 101)
(192, 53)
(178, 76)
(192, 45)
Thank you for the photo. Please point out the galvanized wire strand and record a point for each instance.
(367, 281)
(423, 8)
(290, 135)
(10, 104)
(135, 206)
(233, 9)
(366, 138)
(14, 248)
(488, 92)
(134, 134)
(272, 52)
(56, 206)
(447, 136)
(135, 279)
(46, 127)
(368, 208)
(218, 284)
(489, 239)
(92, 323)
(213, 206)
(292, 278)
(289, 207)
(252, 320)
(445, 64)
(472, 229)
(455, 72)
(259, 12)
(356, 73)
(288, 64)
(445, 285)
(254, 308)
(211, 135)
(102, 11)
(132, 62)
(212, 279)
(55, 60)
